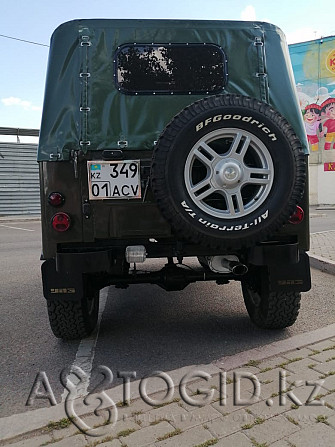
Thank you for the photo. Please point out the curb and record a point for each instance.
(323, 264)
(30, 422)
(20, 218)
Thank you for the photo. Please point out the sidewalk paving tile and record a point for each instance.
(301, 366)
(329, 383)
(307, 415)
(272, 430)
(235, 440)
(326, 367)
(323, 356)
(306, 395)
(201, 416)
(230, 424)
(331, 420)
(172, 413)
(281, 443)
(127, 412)
(300, 379)
(269, 382)
(320, 346)
(113, 443)
(271, 363)
(33, 442)
(231, 404)
(330, 399)
(147, 435)
(320, 435)
(74, 441)
(188, 438)
(269, 408)
(303, 352)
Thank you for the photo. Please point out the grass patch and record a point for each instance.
(208, 443)
(176, 399)
(295, 406)
(257, 421)
(258, 444)
(329, 348)
(328, 374)
(253, 363)
(122, 403)
(314, 352)
(247, 426)
(330, 359)
(169, 435)
(282, 365)
(101, 441)
(312, 365)
(52, 441)
(323, 419)
(126, 432)
(329, 406)
(292, 420)
(63, 423)
(268, 368)
(158, 421)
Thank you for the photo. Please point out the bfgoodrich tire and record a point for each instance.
(74, 319)
(228, 171)
(269, 309)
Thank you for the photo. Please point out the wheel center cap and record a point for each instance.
(228, 173)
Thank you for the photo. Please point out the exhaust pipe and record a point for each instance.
(226, 264)
(236, 267)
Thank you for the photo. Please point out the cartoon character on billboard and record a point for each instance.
(312, 114)
(328, 111)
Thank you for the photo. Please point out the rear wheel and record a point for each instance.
(74, 319)
(269, 309)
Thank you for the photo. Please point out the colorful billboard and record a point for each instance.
(314, 70)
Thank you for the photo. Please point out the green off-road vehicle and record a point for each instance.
(172, 139)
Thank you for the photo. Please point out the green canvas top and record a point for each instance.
(85, 110)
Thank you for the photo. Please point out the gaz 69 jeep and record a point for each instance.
(172, 139)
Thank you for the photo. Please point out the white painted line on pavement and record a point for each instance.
(15, 228)
(85, 353)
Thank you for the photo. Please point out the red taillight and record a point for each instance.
(297, 216)
(61, 222)
(56, 199)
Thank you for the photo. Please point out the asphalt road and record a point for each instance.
(143, 328)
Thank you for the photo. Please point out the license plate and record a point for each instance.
(114, 180)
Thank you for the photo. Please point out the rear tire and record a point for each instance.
(71, 320)
(270, 309)
(227, 172)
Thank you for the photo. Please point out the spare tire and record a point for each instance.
(228, 171)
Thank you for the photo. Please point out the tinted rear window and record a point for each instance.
(169, 69)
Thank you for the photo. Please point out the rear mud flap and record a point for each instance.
(290, 277)
(67, 285)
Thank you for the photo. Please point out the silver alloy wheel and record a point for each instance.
(229, 173)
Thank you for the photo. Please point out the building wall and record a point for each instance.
(19, 180)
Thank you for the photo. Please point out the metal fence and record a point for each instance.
(19, 182)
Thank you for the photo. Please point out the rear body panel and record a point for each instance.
(84, 110)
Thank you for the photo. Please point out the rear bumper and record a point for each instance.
(286, 267)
